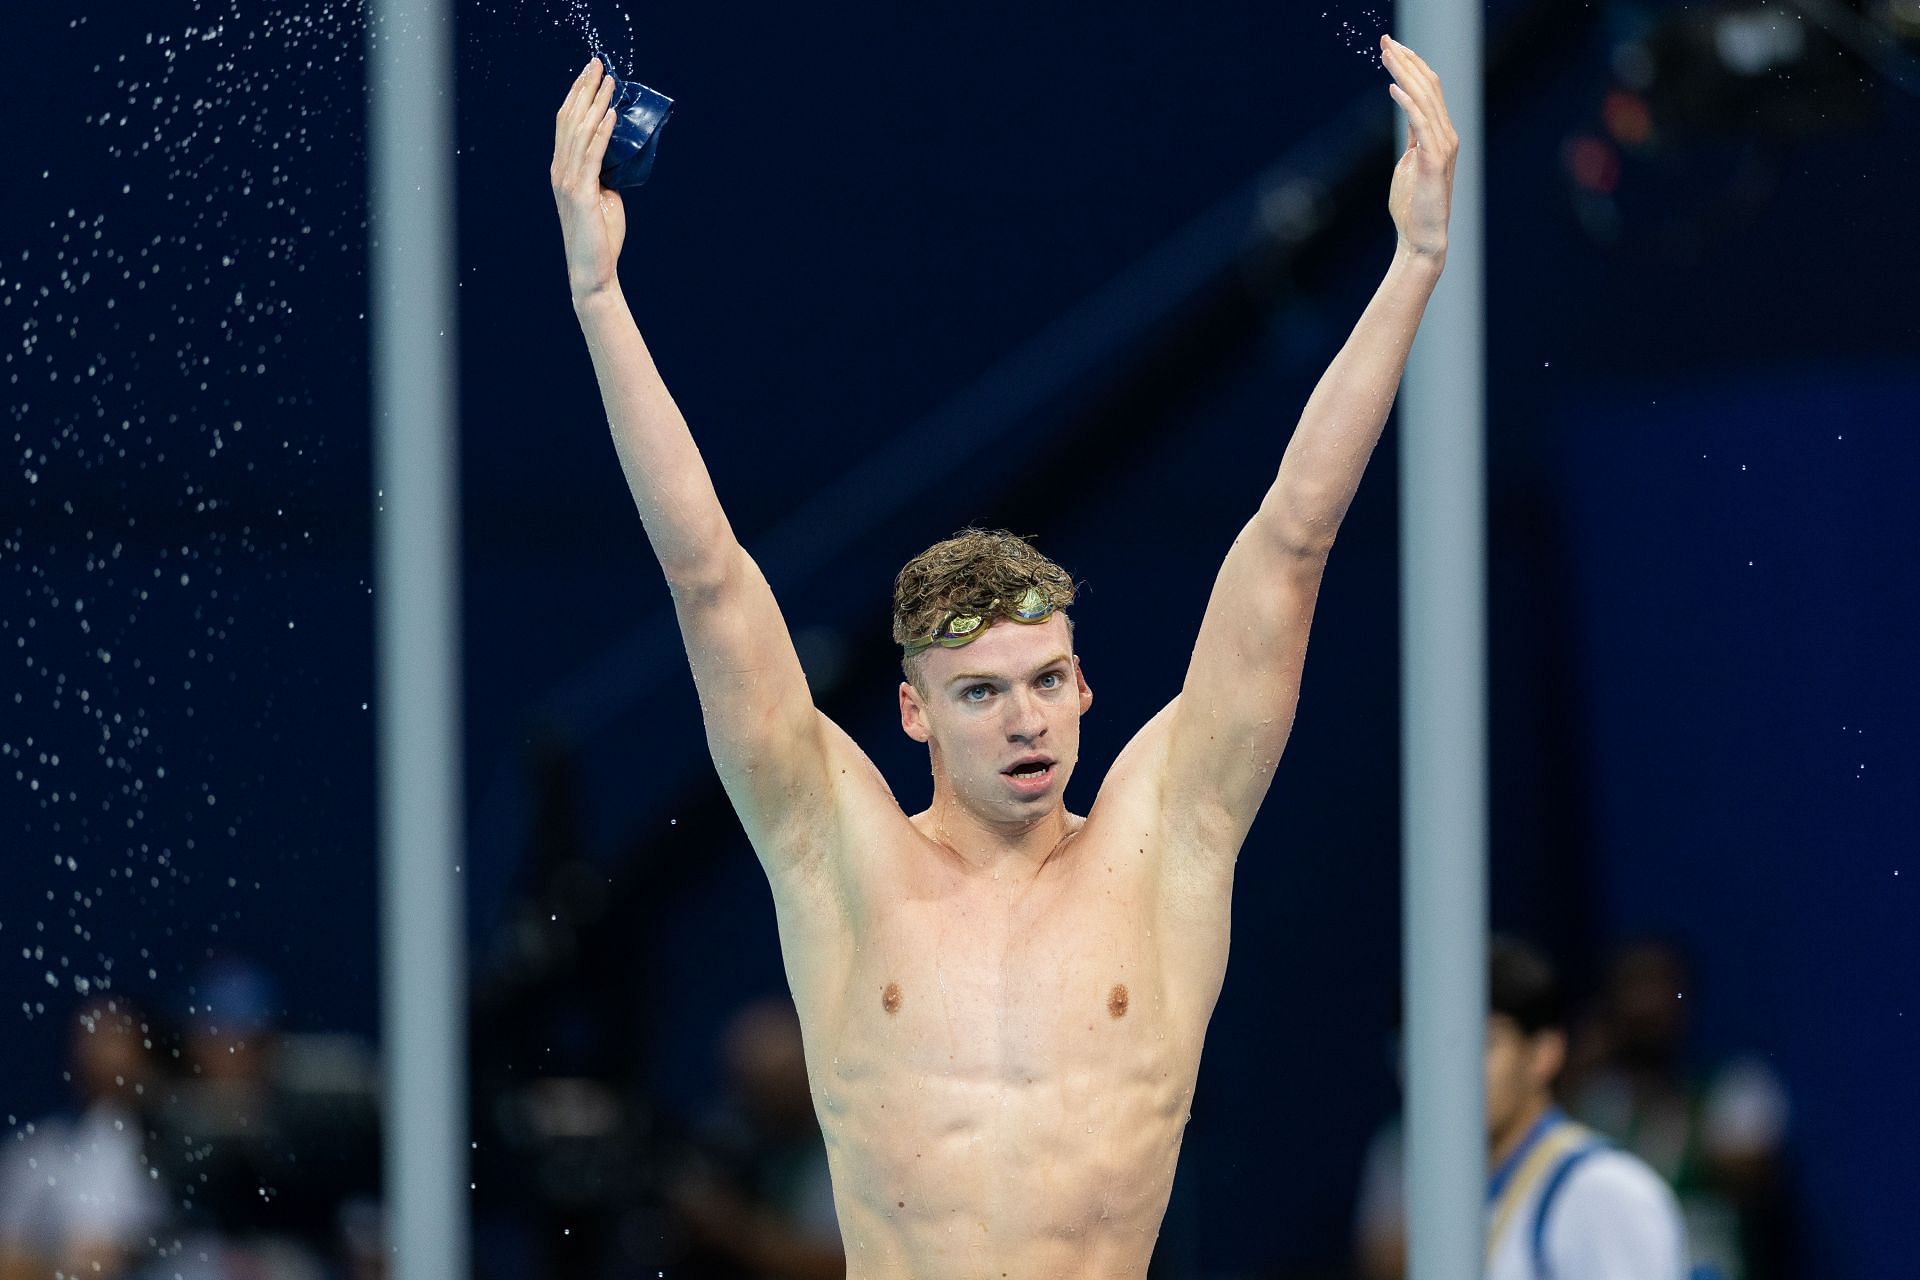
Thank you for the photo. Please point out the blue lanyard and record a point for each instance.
(1504, 1174)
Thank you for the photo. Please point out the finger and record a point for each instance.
(580, 128)
(563, 129)
(591, 80)
(1434, 97)
(1412, 60)
(1400, 62)
(598, 115)
(581, 87)
(597, 146)
(1423, 89)
(1417, 128)
(1420, 64)
(1414, 76)
(597, 79)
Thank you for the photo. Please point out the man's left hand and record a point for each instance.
(1422, 191)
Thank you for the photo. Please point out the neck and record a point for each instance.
(989, 844)
(1507, 1141)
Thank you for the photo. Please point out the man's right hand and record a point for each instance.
(592, 218)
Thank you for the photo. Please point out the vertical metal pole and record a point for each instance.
(411, 147)
(1444, 697)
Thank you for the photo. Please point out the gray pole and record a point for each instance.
(417, 566)
(1444, 698)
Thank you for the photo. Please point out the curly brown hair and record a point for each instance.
(968, 573)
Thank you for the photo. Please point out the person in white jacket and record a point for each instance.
(76, 1191)
(1563, 1203)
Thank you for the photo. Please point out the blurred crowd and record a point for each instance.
(205, 1141)
(200, 1144)
(226, 1150)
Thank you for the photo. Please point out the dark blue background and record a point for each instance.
(1703, 438)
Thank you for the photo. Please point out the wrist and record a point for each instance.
(1431, 258)
(1418, 265)
(589, 302)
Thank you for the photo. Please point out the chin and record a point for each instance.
(1049, 792)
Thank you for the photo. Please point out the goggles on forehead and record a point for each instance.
(1030, 606)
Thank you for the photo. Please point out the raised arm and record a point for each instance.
(1225, 731)
(768, 742)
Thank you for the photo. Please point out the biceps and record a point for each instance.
(1245, 671)
(1243, 684)
(761, 726)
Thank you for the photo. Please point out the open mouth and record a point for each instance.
(1031, 772)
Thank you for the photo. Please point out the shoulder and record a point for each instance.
(1609, 1178)
(1612, 1216)
(825, 850)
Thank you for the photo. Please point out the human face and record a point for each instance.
(1002, 716)
(1648, 1024)
(108, 1048)
(1520, 1072)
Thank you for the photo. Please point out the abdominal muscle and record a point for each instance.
(984, 1178)
(1003, 1085)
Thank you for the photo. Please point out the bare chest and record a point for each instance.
(1010, 1065)
(978, 983)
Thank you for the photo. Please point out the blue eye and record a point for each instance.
(1053, 676)
(978, 688)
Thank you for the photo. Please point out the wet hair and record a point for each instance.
(1522, 985)
(966, 574)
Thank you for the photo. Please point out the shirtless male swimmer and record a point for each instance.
(1003, 1003)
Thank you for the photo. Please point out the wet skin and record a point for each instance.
(1004, 1003)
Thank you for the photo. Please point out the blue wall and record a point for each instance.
(1749, 700)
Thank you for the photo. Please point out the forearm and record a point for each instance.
(1344, 417)
(668, 477)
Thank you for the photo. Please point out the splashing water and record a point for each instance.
(578, 16)
(1361, 36)
(179, 338)
(175, 348)
(157, 445)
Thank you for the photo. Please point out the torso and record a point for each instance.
(1003, 1071)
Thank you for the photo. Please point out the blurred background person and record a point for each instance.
(1562, 1201)
(77, 1194)
(269, 1140)
(1718, 1137)
(756, 1200)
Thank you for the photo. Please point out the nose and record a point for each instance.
(1026, 721)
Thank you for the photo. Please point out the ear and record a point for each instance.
(1548, 1055)
(1080, 679)
(913, 715)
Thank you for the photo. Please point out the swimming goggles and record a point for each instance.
(1030, 606)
